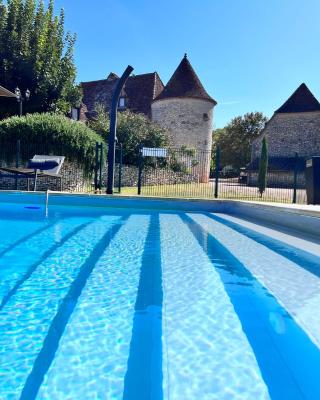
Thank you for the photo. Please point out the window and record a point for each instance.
(122, 102)
(205, 117)
(75, 114)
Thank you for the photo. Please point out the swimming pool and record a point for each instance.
(134, 304)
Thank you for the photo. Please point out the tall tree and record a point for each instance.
(263, 167)
(235, 139)
(36, 53)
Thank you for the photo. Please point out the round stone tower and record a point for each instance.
(185, 109)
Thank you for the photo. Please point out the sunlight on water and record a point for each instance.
(208, 355)
(27, 316)
(151, 305)
(96, 342)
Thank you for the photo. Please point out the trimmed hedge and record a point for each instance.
(49, 132)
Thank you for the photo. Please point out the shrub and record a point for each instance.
(132, 130)
(263, 168)
(48, 132)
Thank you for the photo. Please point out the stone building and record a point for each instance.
(182, 107)
(185, 109)
(293, 128)
(136, 96)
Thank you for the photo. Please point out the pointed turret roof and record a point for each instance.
(185, 83)
(302, 100)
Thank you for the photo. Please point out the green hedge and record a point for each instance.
(50, 133)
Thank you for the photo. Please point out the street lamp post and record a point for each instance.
(21, 99)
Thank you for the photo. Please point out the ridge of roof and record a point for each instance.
(185, 83)
(108, 80)
(302, 100)
(158, 85)
(96, 81)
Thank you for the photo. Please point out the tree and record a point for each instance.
(36, 53)
(132, 130)
(263, 167)
(235, 139)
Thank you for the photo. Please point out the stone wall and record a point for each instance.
(189, 123)
(74, 179)
(288, 133)
(152, 177)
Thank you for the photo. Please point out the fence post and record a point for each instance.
(295, 179)
(140, 167)
(18, 149)
(100, 166)
(217, 172)
(120, 166)
(96, 167)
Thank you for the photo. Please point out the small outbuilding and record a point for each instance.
(293, 128)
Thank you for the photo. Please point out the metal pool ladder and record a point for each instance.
(47, 202)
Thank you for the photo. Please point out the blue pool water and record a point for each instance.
(116, 303)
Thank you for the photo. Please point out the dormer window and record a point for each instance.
(122, 102)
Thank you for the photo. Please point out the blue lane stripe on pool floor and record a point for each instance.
(27, 316)
(25, 238)
(57, 327)
(253, 304)
(96, 342)
(43, 257)
(143, 379)
(15, 262)
(206, 354)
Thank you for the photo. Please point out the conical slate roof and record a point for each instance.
(302, 100)
(185, 83)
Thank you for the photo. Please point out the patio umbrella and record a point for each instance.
(6, 93)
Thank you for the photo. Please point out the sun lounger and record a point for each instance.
(38, 166)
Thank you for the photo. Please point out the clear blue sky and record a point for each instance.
(249, 54)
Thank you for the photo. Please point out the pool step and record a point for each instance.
(96, 342)
(206, 353)
(25, 254)
(295, 290)
(26, 318)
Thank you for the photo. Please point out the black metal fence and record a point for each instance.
(183, 172)
(76, 175)
(192, 173)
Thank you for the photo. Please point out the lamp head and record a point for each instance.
(27, 95)
(17, 92)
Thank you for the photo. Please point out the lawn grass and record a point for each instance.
(226, 191)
